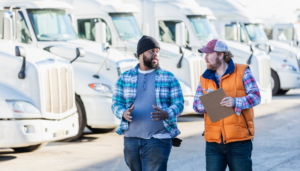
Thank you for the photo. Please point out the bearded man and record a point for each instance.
(147, 100)
(228, 141)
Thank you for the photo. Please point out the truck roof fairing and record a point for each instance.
(36, 4)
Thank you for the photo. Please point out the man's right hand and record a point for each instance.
(127, 114)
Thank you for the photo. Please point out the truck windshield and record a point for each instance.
(203, 27)
(51, 24)
(256, 32)
(126, 26)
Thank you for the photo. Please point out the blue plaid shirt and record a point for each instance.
(168, 97)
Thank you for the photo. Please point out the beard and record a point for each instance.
(215, 66)
(149, 64)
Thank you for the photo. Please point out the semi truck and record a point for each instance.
(47, 25)
(234, 23)
(181, 31)
(37, 97)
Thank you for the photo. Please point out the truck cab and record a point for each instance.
(235, 23)
(47, 25)
(36, 97)
(288, 33)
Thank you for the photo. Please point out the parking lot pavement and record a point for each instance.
(276, 145)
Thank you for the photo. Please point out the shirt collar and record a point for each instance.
(210, 74)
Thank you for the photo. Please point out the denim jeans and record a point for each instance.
(237, 155)
(147, 154)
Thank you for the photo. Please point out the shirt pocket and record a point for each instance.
(164, 94)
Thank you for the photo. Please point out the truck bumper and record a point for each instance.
(188, 105)
(99, 113)
(22, 133)
(289, 80)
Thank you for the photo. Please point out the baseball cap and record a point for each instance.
(214, 45)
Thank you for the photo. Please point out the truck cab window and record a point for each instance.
(167, 31)
(23, 34)
(86, 29)
(285, 34)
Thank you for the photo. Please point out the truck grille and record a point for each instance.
(198, 69)
(58, 89)
(264, 72)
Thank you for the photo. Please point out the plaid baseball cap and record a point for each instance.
(214, 45)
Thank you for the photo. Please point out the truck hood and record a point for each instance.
(283, 48)
(33, 54)
(93, 51)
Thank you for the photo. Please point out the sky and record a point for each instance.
(274, 11)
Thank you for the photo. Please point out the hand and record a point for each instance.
(127, 114)
(228, 102)
(159, 114)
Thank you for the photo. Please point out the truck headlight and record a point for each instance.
(22, 107)
(102, 88)
(289, 67)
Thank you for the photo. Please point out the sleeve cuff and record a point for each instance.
(238, 105)
(121, 112)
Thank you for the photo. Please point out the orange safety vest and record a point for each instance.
(233, 128)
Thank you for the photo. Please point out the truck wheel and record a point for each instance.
(81, 120)
(100, 130)
(29, 148)
(274, 82)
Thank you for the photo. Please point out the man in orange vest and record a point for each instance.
(228, 141)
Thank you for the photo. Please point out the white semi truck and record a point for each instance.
(47, 25)
(37, 99)
(235, 24)
(163, 20)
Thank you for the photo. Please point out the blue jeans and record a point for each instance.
(147, 154)
(237, 155)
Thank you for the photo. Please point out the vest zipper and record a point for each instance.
(246, 124)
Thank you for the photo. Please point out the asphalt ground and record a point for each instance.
(276, 145)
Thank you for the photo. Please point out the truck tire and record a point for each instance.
(81, 120)
(275, 82)
(29, 148)
(100, 130)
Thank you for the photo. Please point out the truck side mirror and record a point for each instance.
(271, 48)
(231, 32)
(249, 59)
(145, 29)
(20, 51)
(79, 53)
(180, 34)
(8, 26)
(100, 34)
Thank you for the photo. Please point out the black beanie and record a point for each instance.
(146, 43)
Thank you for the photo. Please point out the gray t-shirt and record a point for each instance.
(142, 125)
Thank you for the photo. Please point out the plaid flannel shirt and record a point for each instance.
(168, 97)
(250, 100)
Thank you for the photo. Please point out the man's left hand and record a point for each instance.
(228, 102)
(159, 114)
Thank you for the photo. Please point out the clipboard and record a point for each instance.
(211, 102)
